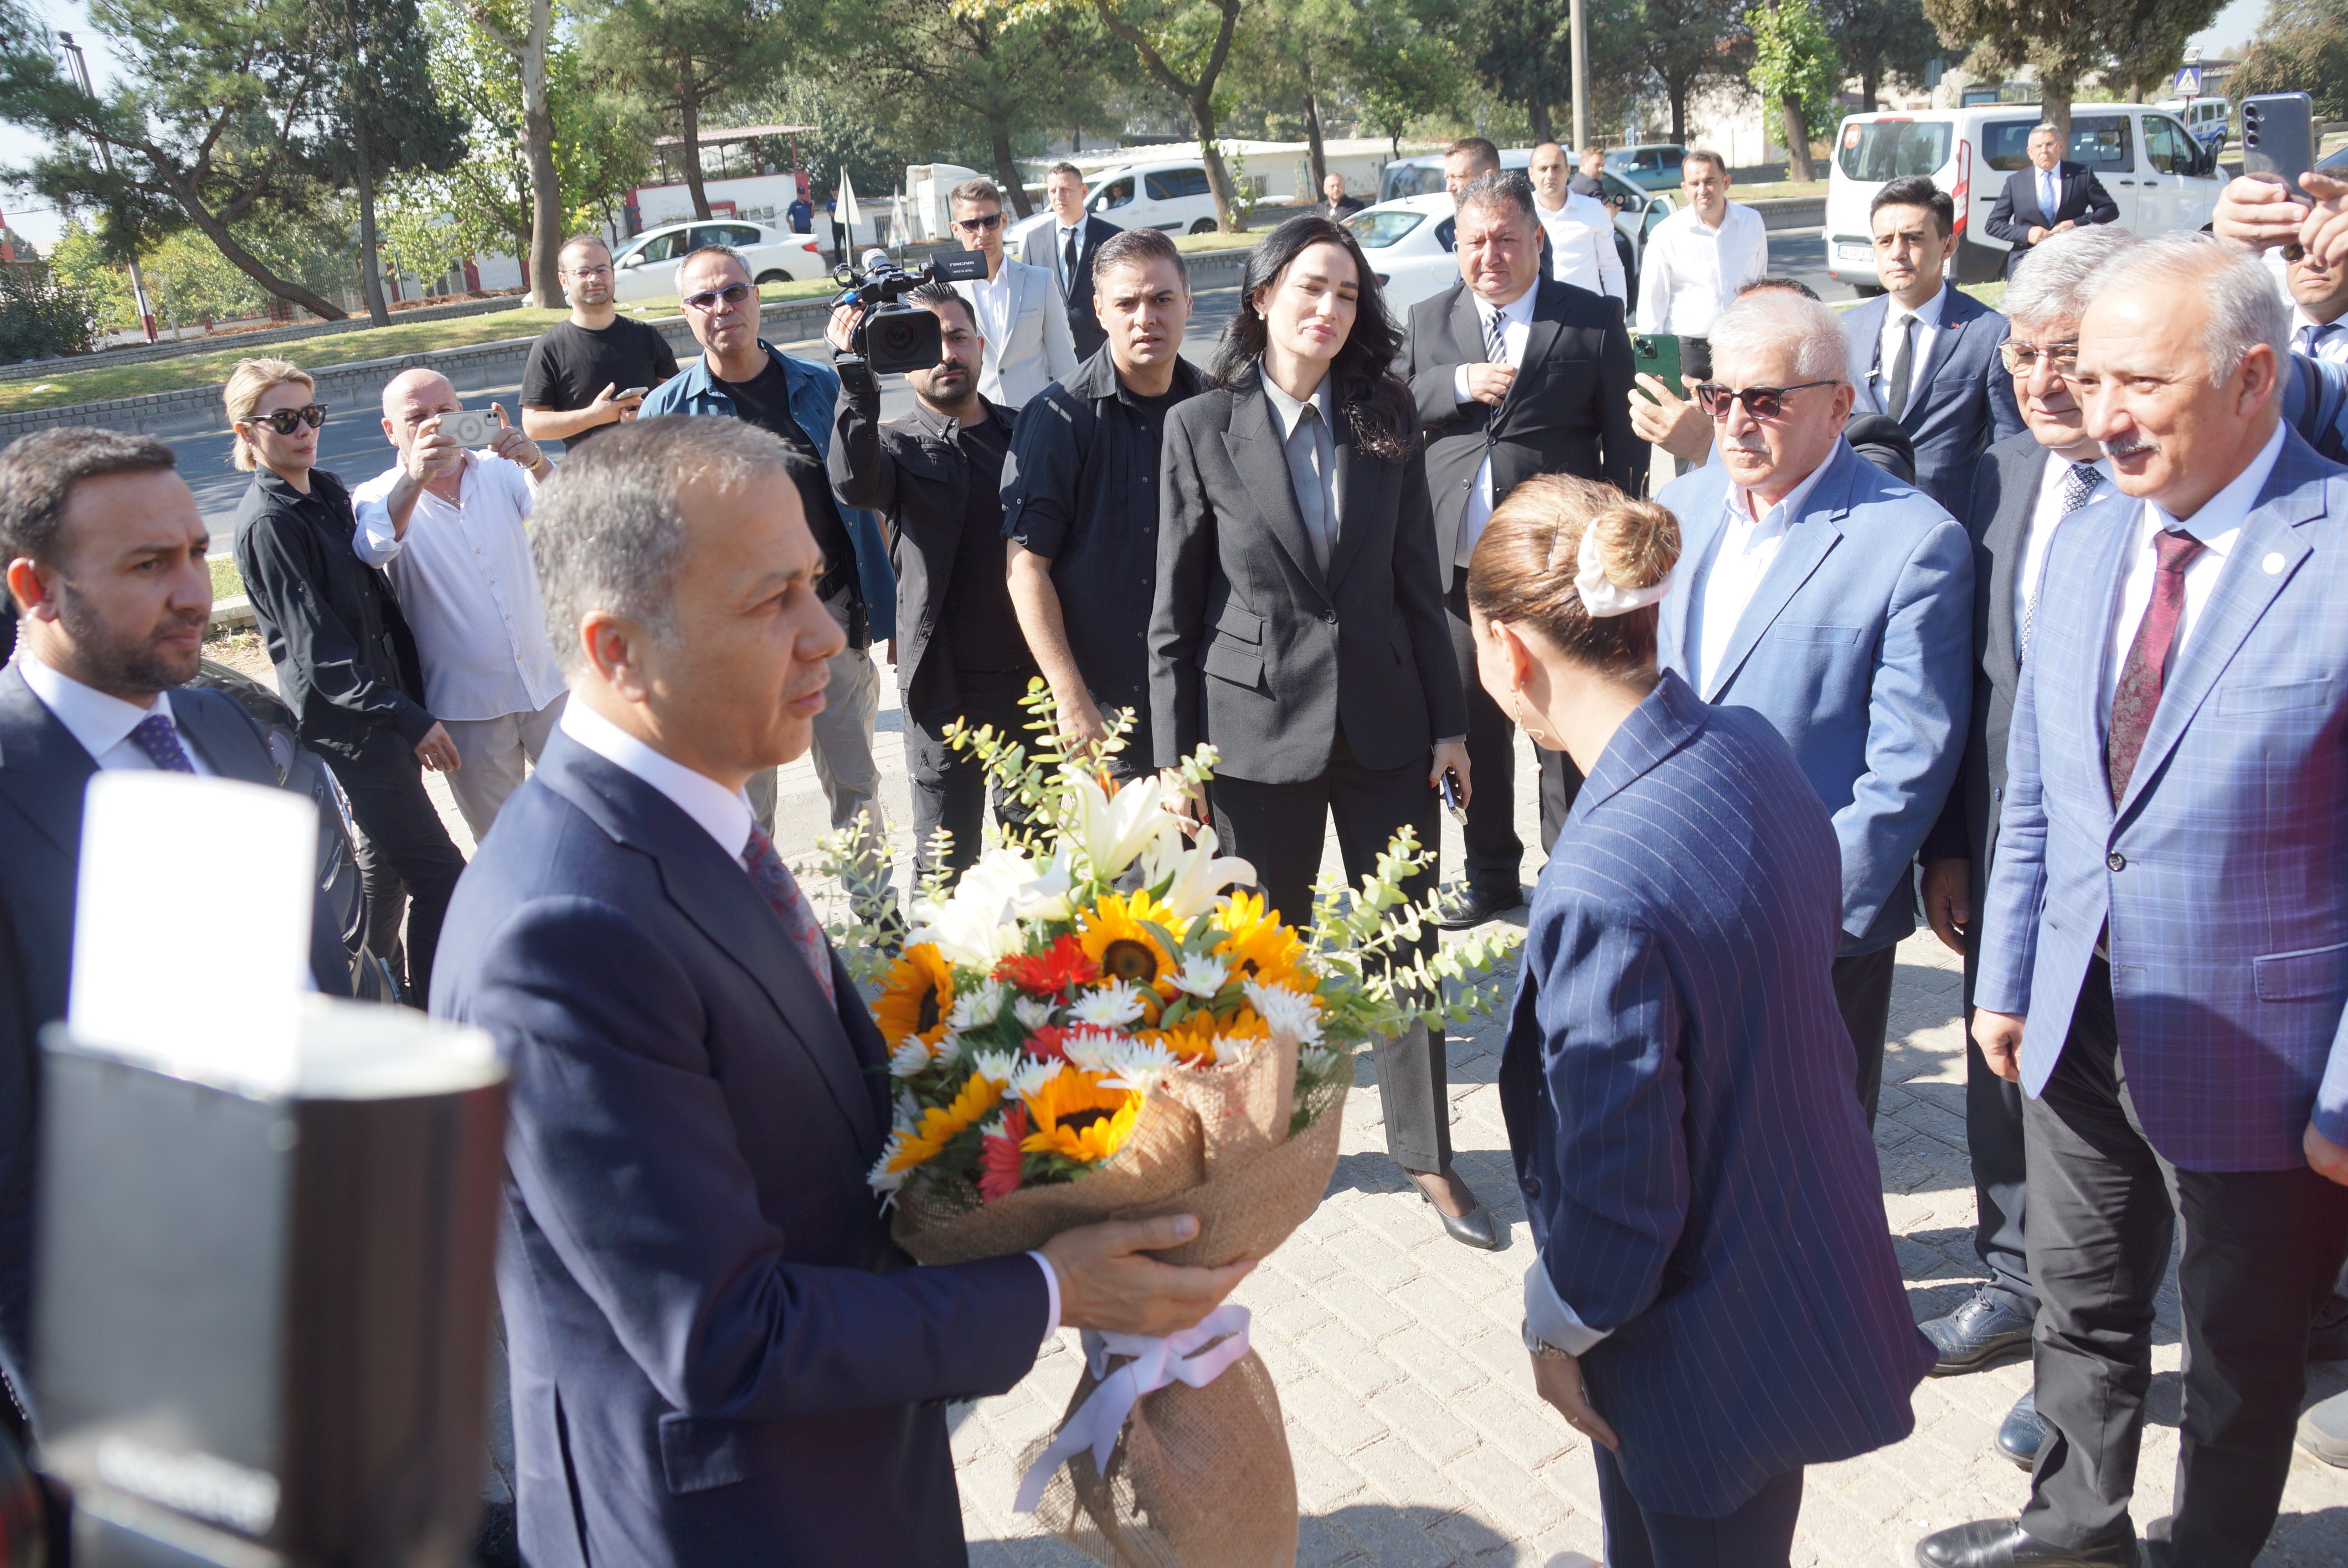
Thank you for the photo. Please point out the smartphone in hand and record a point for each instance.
(2277, 138)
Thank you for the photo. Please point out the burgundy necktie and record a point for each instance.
(2138, 692)
(775, 883)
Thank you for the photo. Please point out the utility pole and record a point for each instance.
(1581, 82)
(105, 162)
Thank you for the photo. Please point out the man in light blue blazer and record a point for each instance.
(1923, 354)
(1835, 601)
(2163, 965)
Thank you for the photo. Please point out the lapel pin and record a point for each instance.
(2273, 563)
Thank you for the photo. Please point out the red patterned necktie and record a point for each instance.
(775, 883)
(2138, 692)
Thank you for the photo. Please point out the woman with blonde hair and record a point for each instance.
(1715, 1303)
(346, 662)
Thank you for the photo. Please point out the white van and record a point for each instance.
(2162, 179)
(2209, 119)
(1169, 196)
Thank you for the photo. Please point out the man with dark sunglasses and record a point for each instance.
(1019, 313)
(740, 375)
(1835, 601)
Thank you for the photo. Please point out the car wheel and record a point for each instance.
(1203, 226)
(773, 277)
(1867, 290)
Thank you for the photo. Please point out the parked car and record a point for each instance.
(1173, 196)
(2209, 120)
(1424, 176)
(1652, 167)
(2162, 179)
(1408, 241)
(645, 267)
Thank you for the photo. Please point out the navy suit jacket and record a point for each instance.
(1959, 400)
(718, 1355)
(2084, 200)
(43, 774)
(1698, 1175)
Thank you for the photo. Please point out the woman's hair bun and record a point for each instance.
(1638, 541)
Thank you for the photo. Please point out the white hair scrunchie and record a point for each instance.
(1601, 595)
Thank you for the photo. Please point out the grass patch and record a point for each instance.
(1191, 244)
(227, 582)
(212, 367)
(1776, 191)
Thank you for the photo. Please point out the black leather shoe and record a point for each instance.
(1476, 1228)
(1469, 907)
(1986, 1329)
(2327, 1336)
(2004, 1544)
(2022, 1432)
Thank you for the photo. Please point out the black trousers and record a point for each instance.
(1760, 1534)
(1862, 984)
(1561, 787)
(1281, 829)
(2263, 1250)
(949, 786)
(1495, 858)
(2000, 1176)
(401, 842)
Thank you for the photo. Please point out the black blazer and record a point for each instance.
(1568, 412)
(1251, 647)
(44, 773)
(1035, 249)
(2084, 200)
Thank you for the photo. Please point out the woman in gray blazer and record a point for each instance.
(1299, 625)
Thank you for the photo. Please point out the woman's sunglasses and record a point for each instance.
(1760, 402)
(707, 300)
(285, 420)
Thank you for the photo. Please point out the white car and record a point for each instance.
(1406, 241)
(1173, 196)
(645, 267)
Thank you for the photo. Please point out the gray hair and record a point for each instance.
(2245, 307)
(2046, 125)
(608, 530)
(1768, 320)
(1499, 187)
(698, 252)
(2051, 285)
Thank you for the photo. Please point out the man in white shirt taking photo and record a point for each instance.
(449, 525)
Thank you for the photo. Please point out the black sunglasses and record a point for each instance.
(283, 421)
(978, 225)
(1761, 401)
(707, 299)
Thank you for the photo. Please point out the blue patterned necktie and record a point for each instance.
(158, 740)
(2311, 336)
(775, 883)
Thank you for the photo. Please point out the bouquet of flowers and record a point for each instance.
(1089, 1027)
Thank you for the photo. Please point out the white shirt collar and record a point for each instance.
(723, 815)
(1790, 507)
(1517, 313)
(1927, 315)
(1290, 410)
(99, 721)
(2222, 515)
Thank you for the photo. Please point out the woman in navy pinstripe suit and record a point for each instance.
(1715, 1303)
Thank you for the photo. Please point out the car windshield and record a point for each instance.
(1377, 231)
(1884, 150)
(1410, 180)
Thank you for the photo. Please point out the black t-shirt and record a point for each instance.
(982, 628)
(764, 401)
(569, 365)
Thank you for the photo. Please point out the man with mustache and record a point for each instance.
(104, 552)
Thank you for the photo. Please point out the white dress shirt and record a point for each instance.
(1516, 331)
(2332, 342)
(1581, 245)
(469, 589)
(2045, 516)
(101, 724)
(1740, 561)
(1692, 271)
(1288, 410)
(1927, 317)
(2216, 525)
(725, 815)
(990, 302)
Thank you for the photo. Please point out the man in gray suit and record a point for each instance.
(1021, 314)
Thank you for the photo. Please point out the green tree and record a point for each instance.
(686, 56)
(2132, 42)
(1399, 65)
(2302, 46)
(1882, 41)
(78, 260)
(1692, 45)
(388, 117)
(41, 316)
(524, 32)
(1795, 68)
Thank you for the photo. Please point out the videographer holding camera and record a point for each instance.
(936, 475)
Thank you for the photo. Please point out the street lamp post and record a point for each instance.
(105, 162)
(1581, 82)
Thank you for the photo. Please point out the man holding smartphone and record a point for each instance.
(592, 371)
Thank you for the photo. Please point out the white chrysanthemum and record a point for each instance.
(978, 1007)
(948, 1049)
(1034, 1012)
(1114, 1004)
(1319, 1061)
(910, 1057)
(880, 1178)
(1094, 1050)
(1288, 1012)
(1232, 1048)
(995, 1066)
(1201, 976)
(908, 1111)
(1031, 1075)
(1140, 1065)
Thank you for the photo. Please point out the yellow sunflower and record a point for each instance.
(940, 1125)
(1193, 1039)
(1078, 1119)
(917, 997)
(1259, 947)
(1114, 937)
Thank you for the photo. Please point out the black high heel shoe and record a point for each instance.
(1476, 1228)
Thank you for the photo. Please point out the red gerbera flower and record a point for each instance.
(1045, 1044)
(999, 1157)
(1051, 973)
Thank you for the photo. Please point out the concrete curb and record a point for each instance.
(233, 613)
(30, 370)
(1789, 211)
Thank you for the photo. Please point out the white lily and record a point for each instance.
(1199, 873)
(1043, 896)
(974, 926)
(1116, 832)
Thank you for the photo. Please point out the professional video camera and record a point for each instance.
(892, 336)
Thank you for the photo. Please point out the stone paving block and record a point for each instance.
(1366, 1309)
(1323, 1482)
(1306, 1261)
(1377, 1262)
(1425, 1422)
(1341, 1419)
(1503, 1487)
(1349, 1359)
(1511, 1417)
(1436, 1362)
(1319, 1546)
(1406, 1478)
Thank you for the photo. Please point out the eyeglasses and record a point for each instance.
(597, 272)
(978, 225)
(1760, 402)
(707, 301)
(2021, 358)
(285, 420)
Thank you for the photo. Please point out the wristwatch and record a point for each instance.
(1542, 1349)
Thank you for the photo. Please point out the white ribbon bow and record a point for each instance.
(1196, 1356)
(1601, 596)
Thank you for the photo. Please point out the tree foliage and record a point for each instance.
(41, 315)
(1691, 44)
(1883, 41)
(2302, 46)
(688, 57)
(385, 119)
(1796, 70)
(2137, 42)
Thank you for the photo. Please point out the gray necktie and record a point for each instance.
(2079, 483)
(1902, 365)
(1311, 481)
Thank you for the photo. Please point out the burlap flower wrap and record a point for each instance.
(1200, 1476)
